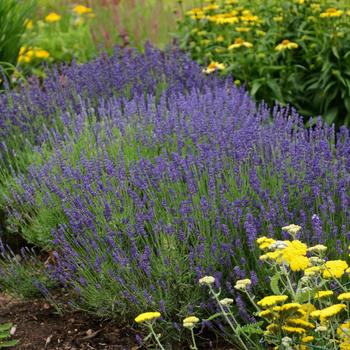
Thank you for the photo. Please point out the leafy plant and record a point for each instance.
(5, 333)
(13, 14)
(293, 52)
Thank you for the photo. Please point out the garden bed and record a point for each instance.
(39, 327)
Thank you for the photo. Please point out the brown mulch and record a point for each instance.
(38, 327)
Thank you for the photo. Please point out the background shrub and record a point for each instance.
(295, 52)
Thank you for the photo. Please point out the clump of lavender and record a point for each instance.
(143, 195)
(29, 113)
(145, 199)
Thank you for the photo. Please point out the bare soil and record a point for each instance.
(39, 327)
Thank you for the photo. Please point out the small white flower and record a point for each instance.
(278, 245)
(306, 289)
(321, 329)
(305, 279)
(243, 284)
(188, 325)
(318, 248)
(226, 301)
(292, 229)
(286, 341)
(316, 260)
(208, 280)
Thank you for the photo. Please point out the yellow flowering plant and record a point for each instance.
(57, 36)
(295, 52)
(310, 304)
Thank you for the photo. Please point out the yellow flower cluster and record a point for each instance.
(331, 12)
(295, 321)
(290, 318)
(26, 55)
(147, 316)
(292, 253)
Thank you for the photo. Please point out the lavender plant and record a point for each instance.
(145, 201)
(141, 195)
(29, 113)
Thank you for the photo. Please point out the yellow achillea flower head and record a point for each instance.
(52, 17)
(299, 322)
(289, 307)
(344, 346)
(331, 12)
(286, 45)
(328, 312)
(266, 314)
(81, 9)
(344, 296)
(307, 339)
(298, 263)
(334, 268)
(239, 42)
(272, 300)
(190, 322)
(213, 66)
(293, 330)
(323, 294)
(147, 316)
(344, 330)
(264, 242)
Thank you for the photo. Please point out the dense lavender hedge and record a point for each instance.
(143, 202)
(145, 194)
(28, 113)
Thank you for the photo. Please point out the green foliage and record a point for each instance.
(5, 333)
(309, 71)
(13, 14)
(57, 37)
(23, 275)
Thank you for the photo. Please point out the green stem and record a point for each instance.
(194, 347)
(228, 320)
(155, 336)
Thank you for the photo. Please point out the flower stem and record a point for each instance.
(155, 336)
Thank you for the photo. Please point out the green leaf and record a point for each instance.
(5, 327)
(335, 52)
(256, 85)
(9, 343)
(274, 284)
(251, 328)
